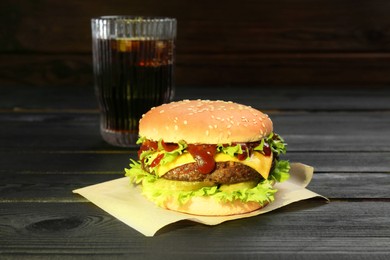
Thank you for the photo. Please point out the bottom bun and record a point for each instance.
(207, 206)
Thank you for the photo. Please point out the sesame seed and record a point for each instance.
(185, 122)
(161, 111)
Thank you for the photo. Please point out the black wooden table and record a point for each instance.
(50, 145)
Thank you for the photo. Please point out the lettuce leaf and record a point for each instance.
(229, 149)
(170, 156)
(280, 171)
(277, 144)
(136, 174)
(262, 193)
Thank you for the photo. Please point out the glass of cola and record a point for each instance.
(133, 63)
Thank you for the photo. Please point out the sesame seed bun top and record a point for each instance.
(205, 122)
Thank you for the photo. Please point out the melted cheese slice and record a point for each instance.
(259, 162)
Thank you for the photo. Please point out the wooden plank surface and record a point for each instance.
(297, 42)
(50, 145)
(253, 26)
(311, 229)
(311, 99)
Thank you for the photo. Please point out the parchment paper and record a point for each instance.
(125, 202)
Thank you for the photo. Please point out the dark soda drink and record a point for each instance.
(131, 77)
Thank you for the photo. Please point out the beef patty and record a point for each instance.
(224, 173)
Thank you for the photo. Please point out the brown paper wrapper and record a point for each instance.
(125, 202)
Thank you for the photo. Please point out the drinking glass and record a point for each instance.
(133, 63)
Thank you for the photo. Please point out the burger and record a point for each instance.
(208, 157)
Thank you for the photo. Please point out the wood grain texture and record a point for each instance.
(50, 145)
(264, 43)
(298, 69)
(310, 98)
(251, 26)
(306, 229)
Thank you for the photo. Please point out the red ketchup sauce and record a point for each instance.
(203, 154)
(157, 160)
(169, 147)
(146, 146)
(267, 149)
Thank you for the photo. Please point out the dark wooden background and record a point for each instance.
(229, 42)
